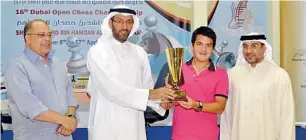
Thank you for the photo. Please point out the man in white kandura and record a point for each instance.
(120, 81)
(260, 104)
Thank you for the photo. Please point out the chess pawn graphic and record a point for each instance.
(154, 42)
(77, 63)
(222, 59)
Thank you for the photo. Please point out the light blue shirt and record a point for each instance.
(33, 88)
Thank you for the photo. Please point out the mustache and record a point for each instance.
(124, 30)
(248, 54)
(45, 43)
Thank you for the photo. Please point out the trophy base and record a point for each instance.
(180, 96)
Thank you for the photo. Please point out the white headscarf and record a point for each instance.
(268, 54)
(107, 31)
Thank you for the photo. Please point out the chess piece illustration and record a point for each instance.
(154, 42)
(77, 63)
(222, 59)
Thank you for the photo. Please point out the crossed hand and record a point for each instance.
(68, 127)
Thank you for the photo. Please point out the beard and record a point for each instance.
(120, 38)
(255, 60)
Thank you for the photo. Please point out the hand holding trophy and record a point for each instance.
(175, 58)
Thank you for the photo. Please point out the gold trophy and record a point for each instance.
(175, 58)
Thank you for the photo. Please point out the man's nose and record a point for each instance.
(249, 50)
(124, 25)
(204, 48)
(47, 38)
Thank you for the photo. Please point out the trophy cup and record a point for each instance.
(175, 58)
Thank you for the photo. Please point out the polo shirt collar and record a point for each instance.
(211, 65)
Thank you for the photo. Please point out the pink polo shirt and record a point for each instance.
(192, 125)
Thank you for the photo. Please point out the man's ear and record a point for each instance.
(27, 39)
(110, 23)
(264, 48)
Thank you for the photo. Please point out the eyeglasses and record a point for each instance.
(42, 35)
(121, 22)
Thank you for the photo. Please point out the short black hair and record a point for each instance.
(28, 26)
(205, 31)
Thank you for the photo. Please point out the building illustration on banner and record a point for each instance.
(237, 20)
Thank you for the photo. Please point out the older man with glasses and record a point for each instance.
(40, 94)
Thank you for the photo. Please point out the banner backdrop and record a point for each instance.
(76, 27)
(164, 24)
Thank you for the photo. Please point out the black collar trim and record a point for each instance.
(211, 66)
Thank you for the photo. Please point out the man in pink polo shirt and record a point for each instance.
(206, 86)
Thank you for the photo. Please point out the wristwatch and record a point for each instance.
(200, 107)
(72, 116)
